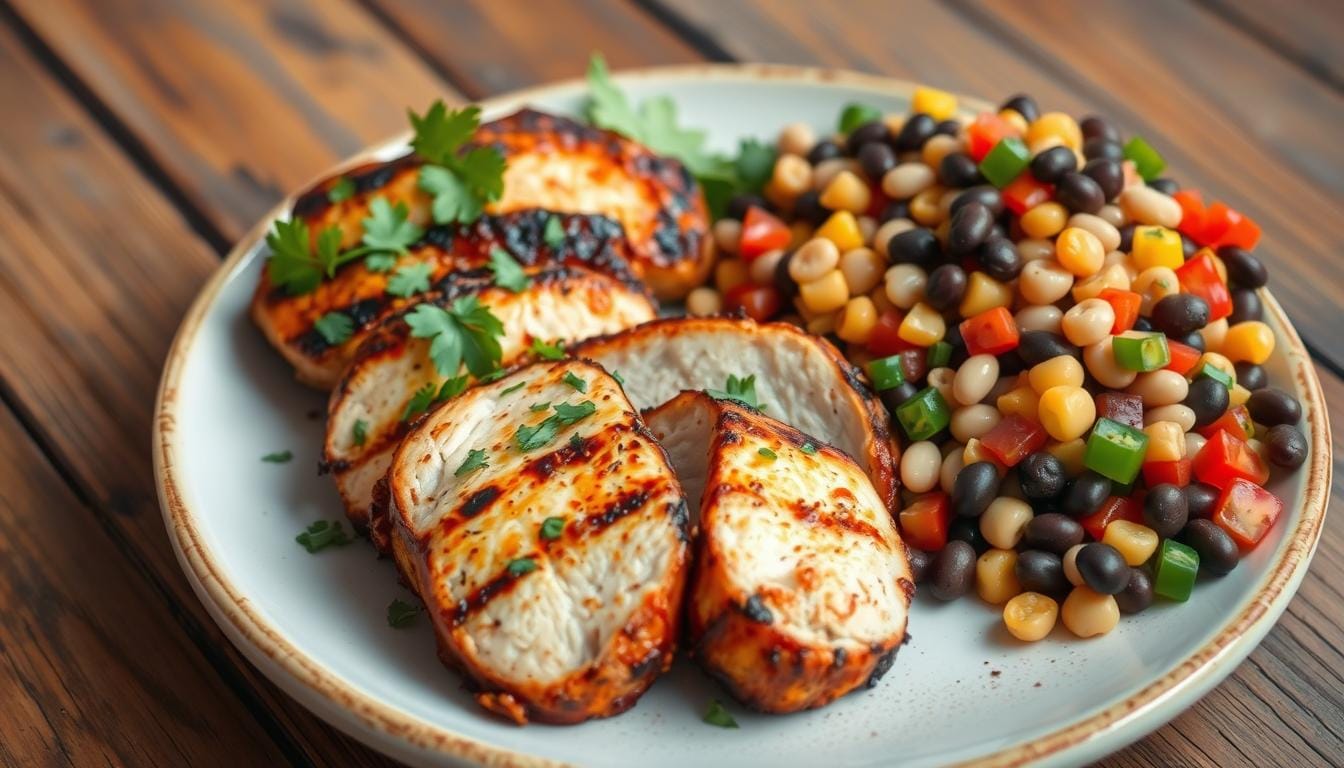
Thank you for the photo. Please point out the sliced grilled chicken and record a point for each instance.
(365, 418)
(360, 294)
(802, 585)
(549, 546)
(801, 380)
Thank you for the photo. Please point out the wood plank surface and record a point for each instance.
(1305, 32)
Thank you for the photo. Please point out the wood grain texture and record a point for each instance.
(1305, 32)
(98, 269)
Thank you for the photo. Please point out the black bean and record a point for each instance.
(1208, 398)
(1142, 324)
(1036, 347)
(1165, 186)
(1245, 306)
(921, 563)
(1218, 553)
(1287, 446)
(1108, 174)
(808, 207)
(948, 127)
(1193, 339)
(1093, 126)
(1085, 493)
(1271, 406)
(915, 132)
(970, 225)
(783, 283)
(1200, 500)
(975, 487)
(1251, 376)
(896, 209)
(1079, 193)
(1165, 509)
(1052, 532)
(1100, 147)
(1041, 476)
(892, 398)
(983, 194)
(1188, 247)
(967, 529)
(1243, 268)
(1039, 571)
(953, 571)
(1103, 568)
(958, 170)
(867, 133)
(738, 205)
(1023, 105)
(1137, 594)
(876, 158)
(999, 259)
(822, 151)
(916, 246)
(1180, 314)
(1050, 165)
(945, 287)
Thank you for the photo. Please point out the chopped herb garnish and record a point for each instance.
(401, 614)
(342, 190)
(521, 565)
(295, 264)
(360, 432)
(530, 438)
(619, 379)
(767, 453)
(464, 332)
(508, 272)
(717, 715)
(809, 449)
(494, 375)
(575, 381)
(420, 401)
(452, 388)
(461, 184)
(335, 327)
(279, 457)
(741, 390)
(553, 350)
(552, 527)
(388, 229)
(513, 388)
(554, 235)
(569, 414)
(410, 279)
(575, 442)
(475, 460)
(323, 534)
(538, 407)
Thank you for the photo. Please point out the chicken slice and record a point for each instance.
(541, 524)
(802, 585)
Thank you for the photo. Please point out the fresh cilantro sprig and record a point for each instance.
(429, 395)
(300, 265)
(461, 184)
(475, 460)
(741, 390)
(278, 457)
(532, 437)
(342, 190)
(323, 534)
(464, 332)
(509, 273)
(718, 715)
(335, 327)
(410, 279)
(401, 614)
(548, 350)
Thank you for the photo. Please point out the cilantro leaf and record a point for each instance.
(482, 170)
(279, 457)
(718, 715)
(452, 388)
(521, 565)
(323, 534)
(539, 407)
(767, 453)
(380, 261)
(570, 414)
(401, 614)
(294, 263)
(553, 350)
(360, 432)
(530, 438)
(410, 279)
(608, 107)
(618, 377)
(809, 449)
(342, 190)
(513, 388)
(508, 273)
(554, 234)
(464, 332)
(660, 131)
(453, 201)
(335, 327)
(439, 133)
(575, 381)
(754, 164)
(552, 528)
(420, 401)
(460, 184)
(475, 460)
(741, 390)
(389, 228)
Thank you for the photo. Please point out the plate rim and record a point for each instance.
(327, 694)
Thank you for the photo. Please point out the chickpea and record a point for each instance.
(907, 180)
(1088, 614)
(905, 284)
(1039, 318)
(1088, 322)
(796, 139)
(920, 466)
(975, 378)
(972, 421)
(814, 259)
(1044, 282)
(1159, 388)
(1100, 361)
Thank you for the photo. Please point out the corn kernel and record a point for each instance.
(984, 293)
(821, 324)
(1057, 125)
(1030, 616)
(730, 273)
(940, 105)
(1067, 412)
(1217, 361)
(1056, 372)
(1238, 396)
(856, 321)
(1087, 613)
(847, 192)
(1166, 441)
(926, 207)
(922, 326)
(1134, 541)
(1079, 251)
(1044, 220)
(825, 294)
(996, 576)
(1022, 401)
(843, 230)
(1156, 247)
(1015, 119)
(1070, 453)
(1251, 341)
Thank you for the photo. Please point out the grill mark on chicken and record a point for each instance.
(477, 502)
(756, 610)
(810, 513)
(572, 452)
(480, 597)
(624, 504)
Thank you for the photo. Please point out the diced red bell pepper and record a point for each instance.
(991, 332)
(1013, 438)
(987, 130)
(1183, 357)
(1025, 192)
(761, 232)
(1224, 458)
(1114, 508)
(885, 340)
(924, 523)
(877, 200)
(1247, 512)
(1199, 276)
(1216, 223)
(1240, 231)
(1192, 213)
(1175, 472)
(1117, 406)
(759, 302)
(1126, 305)
(1236, 420)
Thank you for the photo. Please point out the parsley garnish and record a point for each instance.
(538, 407)
(475, 460)
(618, 377)
(717, 715)
(334, 327)
(552, 527)
(521, 565)
(452, 388)
(295, 263)
(553, 350)
(575, 382)
(360, 432)
(410, 279)
(809, 449)
(513, 388)
(279, 457)
(401, 614)
(575, 442)
(460, 184)
(741, 390)
(323, 534)
(530, 438)
(388, 229)
(342, 190)
(767, 453)
(554, 234)
(419, 402)
(508, 273)
(465, 332)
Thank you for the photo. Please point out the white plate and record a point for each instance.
(963, 690)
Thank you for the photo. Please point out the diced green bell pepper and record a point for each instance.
(1175, 570)
(886, 373)
(855, 115)
(1215, 373)
(1115, 450)
(1141, 351)
(1147, 161)
(940, 354)
(924, 415)
(1005, 162)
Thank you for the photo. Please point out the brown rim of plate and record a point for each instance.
(267, 639)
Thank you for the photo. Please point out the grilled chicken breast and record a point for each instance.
(548, 542)
(802, 585)
(365, 418)
(801, 380)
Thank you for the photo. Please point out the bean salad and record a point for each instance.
(1069, 344)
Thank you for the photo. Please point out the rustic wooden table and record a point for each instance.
(139, 138)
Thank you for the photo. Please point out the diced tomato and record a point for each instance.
(1247, 512)
(1126, 305)
(762, 232)
(1114, 508)
(1025, 192)
(1013, 438)
(1224, 458)
(991, 332)
(1117, 406)
(924, 523)
(1199, 276)
(987, 130)
(1236, 420)
(1183, 357)
(1174, 472)
(760, 302)
(886, 340)
(1192, 213)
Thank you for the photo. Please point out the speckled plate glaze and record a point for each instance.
(963, 691)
